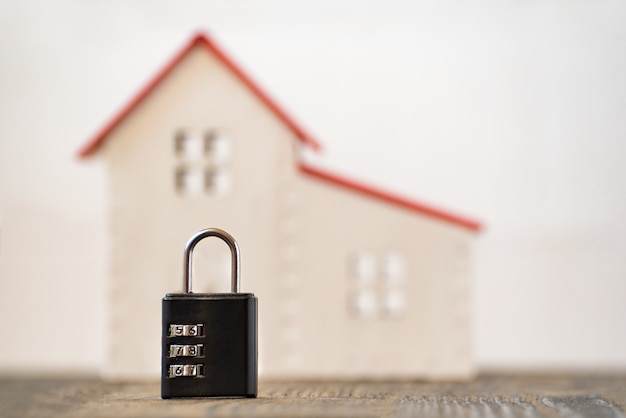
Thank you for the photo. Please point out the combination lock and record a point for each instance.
(209, 340)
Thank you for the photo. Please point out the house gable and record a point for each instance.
(203, 41)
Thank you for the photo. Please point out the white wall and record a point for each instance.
(509, 111)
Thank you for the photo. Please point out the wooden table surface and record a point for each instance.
(487, 396)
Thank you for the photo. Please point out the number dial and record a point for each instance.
(180, 330)
(182, 350)
(185, 370)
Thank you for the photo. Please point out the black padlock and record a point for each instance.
(209, 340)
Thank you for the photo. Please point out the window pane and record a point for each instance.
(394, 267)
(189, 144)
(189, 181)
(395, 303)
(364, 267)
(364, 303)
(216, 146)
(217, 181)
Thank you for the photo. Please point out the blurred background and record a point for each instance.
(511, 112)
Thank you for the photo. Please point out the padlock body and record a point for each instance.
(209, 345)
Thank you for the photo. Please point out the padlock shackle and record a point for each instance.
(234, 252)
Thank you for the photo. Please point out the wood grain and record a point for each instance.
(487, 396)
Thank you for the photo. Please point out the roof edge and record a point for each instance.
(203, 40)
(442, 215)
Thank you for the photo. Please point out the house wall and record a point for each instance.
(433, 336)
(150, 222)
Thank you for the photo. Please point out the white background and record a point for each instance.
(512, 112)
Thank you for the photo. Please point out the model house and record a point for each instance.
(352, 281)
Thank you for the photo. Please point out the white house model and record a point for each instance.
(352, 281)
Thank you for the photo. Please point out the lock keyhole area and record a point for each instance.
(211, 267)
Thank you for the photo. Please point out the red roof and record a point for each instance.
(203, 40)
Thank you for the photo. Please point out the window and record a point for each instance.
(378, 285)
(202, 162)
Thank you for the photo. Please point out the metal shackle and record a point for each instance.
(234, 252)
